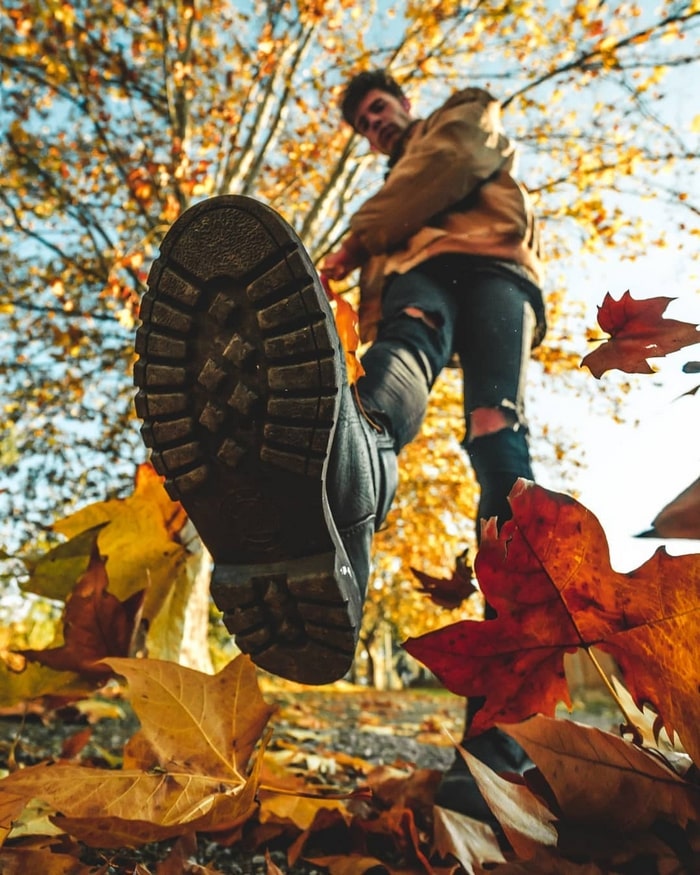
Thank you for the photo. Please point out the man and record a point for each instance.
(284, 471)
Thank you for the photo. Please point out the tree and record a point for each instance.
(117, 116)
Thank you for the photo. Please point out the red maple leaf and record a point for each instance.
(95, 625)
(549, 579)
(637, 332)
(448, 592)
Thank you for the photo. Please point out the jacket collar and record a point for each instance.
(401, 144)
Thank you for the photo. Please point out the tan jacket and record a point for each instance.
(450, 190)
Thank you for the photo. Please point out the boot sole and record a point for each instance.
(239, 377)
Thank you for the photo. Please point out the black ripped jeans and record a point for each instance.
(484, 315)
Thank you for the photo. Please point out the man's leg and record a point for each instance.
(493, 339)
(247, 410)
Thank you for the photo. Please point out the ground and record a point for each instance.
(330, 736)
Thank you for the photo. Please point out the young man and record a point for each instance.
(244, 394)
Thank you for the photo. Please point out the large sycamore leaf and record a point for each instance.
(548, 577)
(95, 625)
(637, 332)
(197, 735)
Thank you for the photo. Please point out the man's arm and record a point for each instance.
(459, 147)
(351, 254)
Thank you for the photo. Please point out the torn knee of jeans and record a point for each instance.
(509, 412)
(432, 320)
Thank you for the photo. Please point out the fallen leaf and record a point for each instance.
(547, 862)
(95, 625)
(526, 822)
(44, 855)
(548, 577)
(198, 732)
(271, 867)
(467, 840)
(349, 864)
(603, 780)
(300, 810)
(637, 332)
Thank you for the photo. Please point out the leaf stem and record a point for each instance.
(606, 681)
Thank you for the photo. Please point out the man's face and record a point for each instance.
(381, 118)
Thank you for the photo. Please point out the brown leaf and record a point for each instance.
(350, 864)
(72, 745)
(680, 518)
(467, 840)
(637, 332)
(448, 592)
(547, 862)
(95, 625)
(526, 822)
(548, 576)
(271, 867)
(45, 856)
(399, 789)
(599, 778)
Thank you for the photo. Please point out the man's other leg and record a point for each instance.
(414, 343)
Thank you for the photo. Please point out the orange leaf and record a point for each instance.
(346, 322)
(549, 579)
(637, 332)
(95, 625)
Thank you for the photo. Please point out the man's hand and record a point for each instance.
(351, 254)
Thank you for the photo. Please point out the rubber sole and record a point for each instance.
(239, 376)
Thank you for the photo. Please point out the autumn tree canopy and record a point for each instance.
(116, 116)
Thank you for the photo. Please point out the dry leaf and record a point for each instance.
(601, 779)
(548, 577)
(637, 332)
(95, 625)
(198, 734)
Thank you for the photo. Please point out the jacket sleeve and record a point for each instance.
(449, 155)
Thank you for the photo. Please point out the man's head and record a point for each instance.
(376, 107)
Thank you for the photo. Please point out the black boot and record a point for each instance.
(246, 407)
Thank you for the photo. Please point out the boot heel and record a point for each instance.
(292, 617)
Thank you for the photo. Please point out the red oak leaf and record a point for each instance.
(95, 625)
(637, 332)
(548, 577)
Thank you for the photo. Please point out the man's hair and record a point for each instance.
(362, 84)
